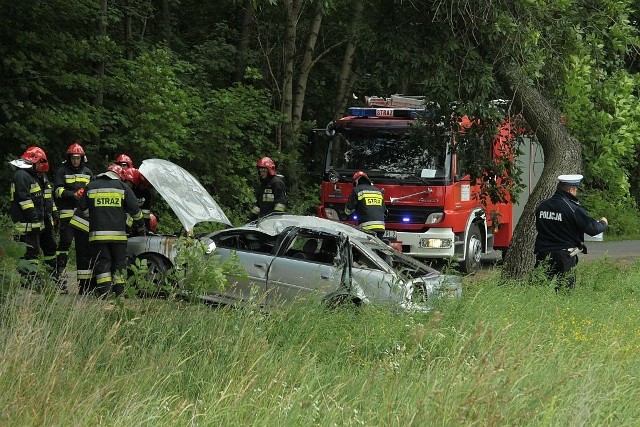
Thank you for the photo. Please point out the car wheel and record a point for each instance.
(473, 252)
(155, 278)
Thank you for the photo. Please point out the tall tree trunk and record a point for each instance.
(305, 69)
(166, 22)
(345, 78)
(292, 9)
(100, 66)
(243, 43)
(562, 155)
(128, 32)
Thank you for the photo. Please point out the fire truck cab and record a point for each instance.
(434, 211)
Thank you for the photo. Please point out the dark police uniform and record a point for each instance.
(561, 224)
(67, 181)
(271, 196)
(48, 242)
(109, 200)
(368, 202)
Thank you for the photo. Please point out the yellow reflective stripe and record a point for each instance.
(84, 274)
(138, 216)
(129, 220)
(103, 278)
(373, 225)
(59, 191)
(35, 188)
(106, 192)
(80, 223)
(64, 214)
(279, 207)
(29, 226)
(26, 204)
(109, 237)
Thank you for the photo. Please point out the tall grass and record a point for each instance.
(502, 355)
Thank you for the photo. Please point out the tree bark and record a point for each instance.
(128, 32)
(100, 66)
(243, 43)
(345, 80)
(562, 155)
(166, 22)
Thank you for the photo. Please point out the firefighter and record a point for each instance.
(48, 242)
(367, 202)
(80, 222)
(142, 189)
(69, 182)
(561, 224)
(124, 161)
(271, 195)
(28, 210)
(109, 199)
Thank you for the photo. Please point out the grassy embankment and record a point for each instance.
(502, 355)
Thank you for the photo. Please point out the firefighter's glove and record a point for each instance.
(79, 193)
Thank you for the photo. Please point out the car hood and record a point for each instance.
(188, 199)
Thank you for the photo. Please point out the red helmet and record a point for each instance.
(76, 148)
(358, 175)
(119, 170)
(36, 156)
(153, 223)
(267, 163)
(124, 161)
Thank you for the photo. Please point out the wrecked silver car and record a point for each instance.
(286, 257)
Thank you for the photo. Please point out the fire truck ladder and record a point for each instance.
(396, 101)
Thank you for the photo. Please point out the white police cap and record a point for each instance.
(573, 180)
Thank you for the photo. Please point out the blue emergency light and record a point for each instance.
(394, 113)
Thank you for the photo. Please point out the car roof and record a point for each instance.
(276, 223)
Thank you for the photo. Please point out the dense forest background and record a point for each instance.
(213, 86)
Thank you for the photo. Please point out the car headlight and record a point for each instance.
(331, 214)
(434, 218)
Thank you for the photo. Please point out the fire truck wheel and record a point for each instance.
(473, 252)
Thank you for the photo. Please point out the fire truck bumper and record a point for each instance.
(435, 243)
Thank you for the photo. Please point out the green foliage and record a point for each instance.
(622, 214)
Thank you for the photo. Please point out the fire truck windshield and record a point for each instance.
(388, 155)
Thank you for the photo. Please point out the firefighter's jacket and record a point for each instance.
(50, 208)
(27, 201)
(67, 181)
(368, 202)
(561, 223)
(109, 200)
(271, 196)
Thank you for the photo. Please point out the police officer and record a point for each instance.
(368, 203)
(561, 224)
(69, 179)
(271, 194)
(109, 199)
(28, 209)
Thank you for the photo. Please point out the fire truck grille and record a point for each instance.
(397, 214)
(409, 214)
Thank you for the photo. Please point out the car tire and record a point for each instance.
(473, 251)
(156, 276)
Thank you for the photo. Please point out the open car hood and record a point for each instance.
(188, 199)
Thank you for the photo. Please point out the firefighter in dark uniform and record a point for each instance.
(80, 222)
(561, 224)
(271, 194)
(48, 242)
(367, 202)
(28, 209)
(142, 189)
(71, 177)
(109, 199)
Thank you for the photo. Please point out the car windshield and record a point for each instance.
(388, 154)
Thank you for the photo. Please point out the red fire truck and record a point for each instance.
(434, 210)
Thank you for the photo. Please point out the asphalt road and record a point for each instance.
(625, 249)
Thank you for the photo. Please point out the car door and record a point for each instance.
(251, 283)
(303, 268)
